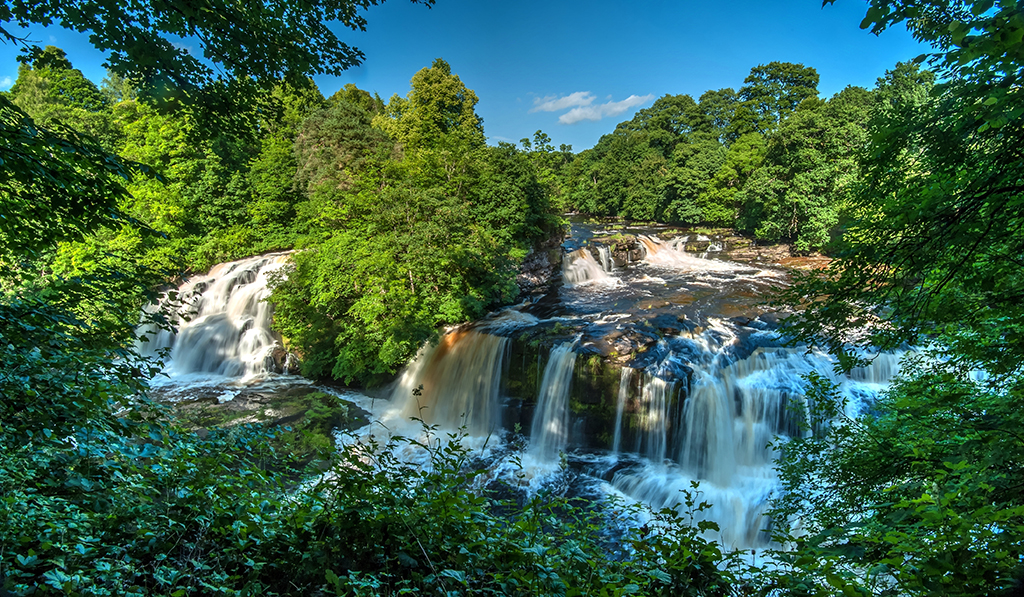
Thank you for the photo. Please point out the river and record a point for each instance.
(649, 366)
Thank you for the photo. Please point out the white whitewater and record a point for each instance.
(625, 381)
(455, 383)
(669, 254)
(654, 422)
(224, 324)
(580, 267)
(549, 432)
(720, 435)
(607, 263)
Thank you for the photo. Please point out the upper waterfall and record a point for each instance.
(223, 325)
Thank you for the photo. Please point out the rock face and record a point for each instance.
(626, 251)
(284, 361)
(541, 266)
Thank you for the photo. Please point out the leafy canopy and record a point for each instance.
(264, 42)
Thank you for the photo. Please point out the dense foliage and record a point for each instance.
(406, 221)
(771, 159)
(923, 495)
(414, 223)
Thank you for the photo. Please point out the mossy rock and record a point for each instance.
(306, 418)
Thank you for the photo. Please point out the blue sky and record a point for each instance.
(576, 68)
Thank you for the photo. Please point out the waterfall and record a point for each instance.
(606, 258)
(223, 328)
(734, 412)
(581, 267)
(655, 402)
(461, 381)
(702, 390)
(669, 254)
(549, 433)
(720, 437)
(624, 383)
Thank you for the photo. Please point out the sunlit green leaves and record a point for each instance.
(55, 184)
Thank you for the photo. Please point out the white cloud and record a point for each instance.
(588, 112)
(6, 83)
(554, 103)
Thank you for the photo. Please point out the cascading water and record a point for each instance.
(654, 404)
(606, 258)
(549, 433)
(625, 380)
(670, 255)
(223, 327)
(679, 378)
(455, 383)
(722, 435)
(581, 268)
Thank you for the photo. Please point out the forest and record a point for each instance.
(401, 220)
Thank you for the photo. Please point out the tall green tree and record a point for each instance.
(718, 109)
(774, 90)
(623, 174)
(439, 110)
(688, 182)
(54, 93)
(722, 198)
(809, 169)
(333, 143)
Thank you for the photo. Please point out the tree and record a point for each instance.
(56, 94)
(353, 95)
(688, 182)
(809, 169)
(551, 166)
(439, 110)
(922, 495)
(670, 120)
(938, 217)
(56, 185)
(718, 109)
(266, 43)
(251, 47)
(742, 159)
(333, 143)
(622, 175)
(774, 90)
(62, 84)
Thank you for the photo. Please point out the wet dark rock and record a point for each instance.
(281, 407)
(283, 361)
(669, 324)
(741, 321)
(537, 271)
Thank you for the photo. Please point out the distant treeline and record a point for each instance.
(772, 160)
